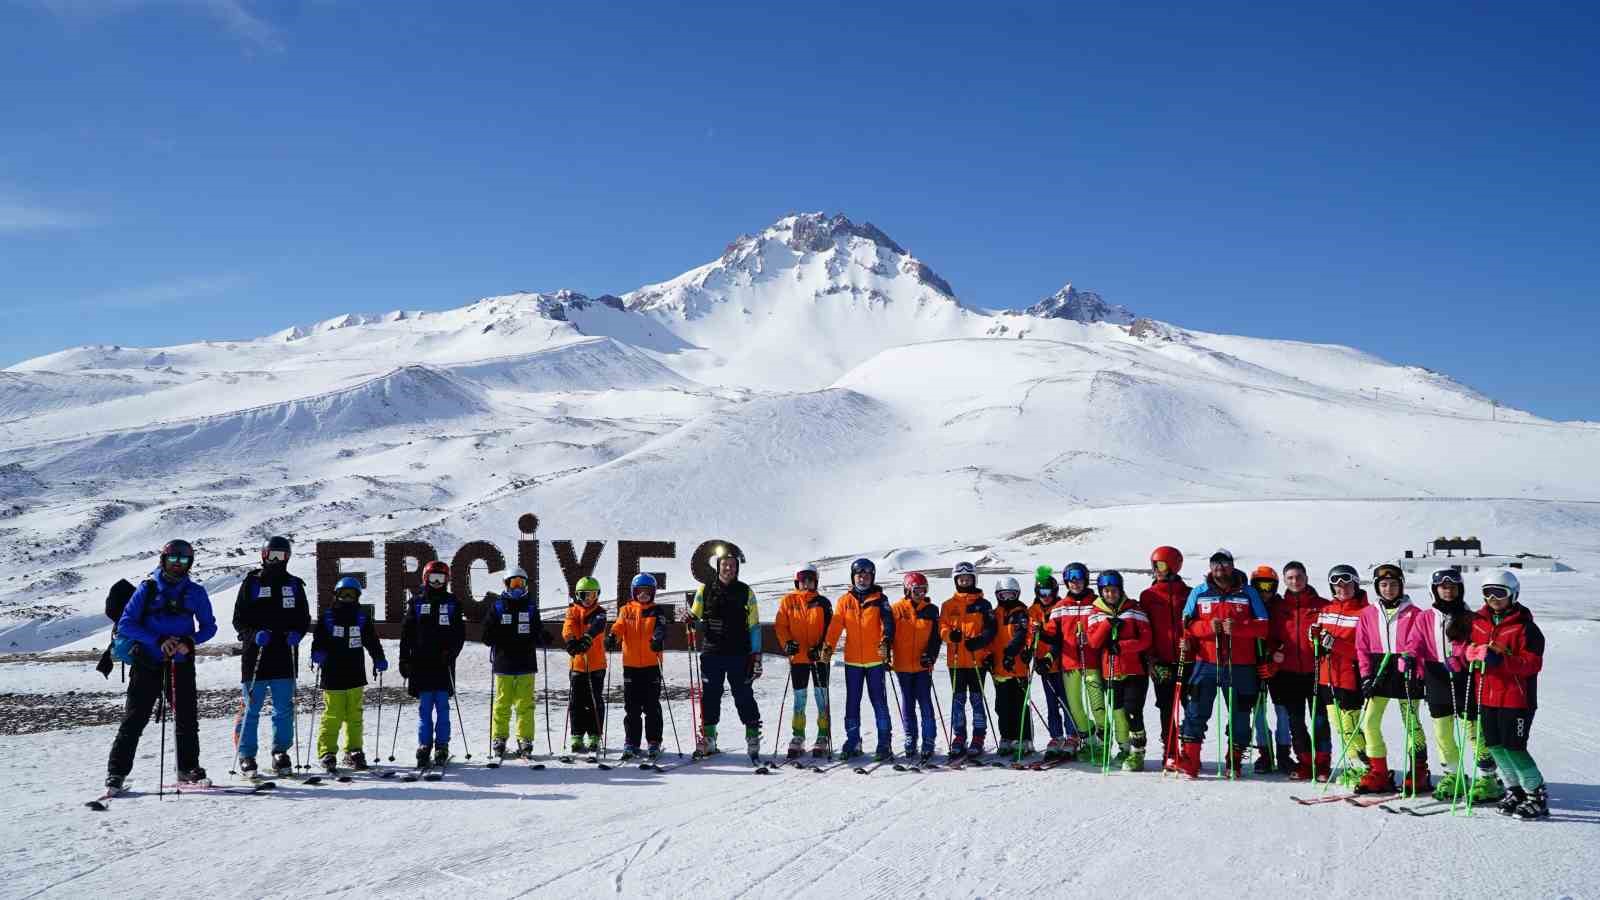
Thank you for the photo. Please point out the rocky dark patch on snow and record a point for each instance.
(1045, 533)
(1080, 306)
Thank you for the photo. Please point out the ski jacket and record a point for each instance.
(513, 633)
(345, 634)
(272, 600)
(1129, 626)
(1430, 641)
(160, 609)
(637, 625)
(729, 618)
(430, 640)
(1067, 628)
(1013, 640)
(1511, 676)
(1339, 619)
(1381, 634)
(916, 634)
(1288, 631)
(972, 616)
(587, 622)
(1038, 615)
(803, 617)
(1163, 603)
(1209, 602)
(864, 619)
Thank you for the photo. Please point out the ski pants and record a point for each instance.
(872, 679)
(433, 718)
(173, 684)
(1086, 700)
(641, 705)
(916, 695)
(1127, 702)
(244, 729)
(1505, 731)
(1167, 702)
(1011, 709)
(340, 708)
(513, 694)
(1210, 684)
(585, 702)
(1293, 693)
(810, 678)
(713, 671)
(1055, 704)
(1271, 721)
(1372, 726)
(966, 686)
(1344, 713)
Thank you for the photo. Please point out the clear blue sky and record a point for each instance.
(1420, 182)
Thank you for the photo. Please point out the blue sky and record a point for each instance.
(1419, 182)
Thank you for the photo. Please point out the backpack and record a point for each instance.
(116, 601)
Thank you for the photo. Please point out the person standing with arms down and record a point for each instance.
(641, 634)
(271, 615)
(1225, 616)
(1163, 603)
(1506, 652)
(430, 640)
(916, 649)
(862, 616)
(801, 625)
(513, 633)
(726, 628)
(968, 625)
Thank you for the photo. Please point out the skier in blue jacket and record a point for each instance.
(165, 619)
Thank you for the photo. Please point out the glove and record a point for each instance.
(954, 636)
(1043, 664)
(827, 653)
(381, 665)
(1266, 670)
(1161, 672)
(792, 648)
(613, 642)
(1115, 646)
(753, 667)
(1007, 662)
(926, 660)
(584, 643)
(814, 654)
(318, 657)
(973, 644)
(1326, 638)
(655, 645)
(1368, 685)
(405, 670)
(294, 638)
(573, 647)
(1184, 652)
(1491, 659)
(987, 664)
(263, 637)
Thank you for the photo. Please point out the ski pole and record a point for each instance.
(933, 688)
(544, 650)
(821, 673)
(661, 669)
(605, 708)
(1027, 695)
(377, 731)
(450, 671)
(316, 726)
(1316, 703)
(1477, 723)
(294, 708)
(161, 713)
(393, 741)
(244, 711)
(891, 677)
(776, 731)
(494, 686)
(983, 698)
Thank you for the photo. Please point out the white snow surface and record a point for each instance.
(816, 393)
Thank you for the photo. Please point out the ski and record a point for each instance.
(1434, 807)
(434, 773)
(536, 766)
(1371, 799)
(103, 802)
(239, 790)
(1329, 798)
(759, 767)
(869, 768)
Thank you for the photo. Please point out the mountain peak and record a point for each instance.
(818, 232)
(1080, 306)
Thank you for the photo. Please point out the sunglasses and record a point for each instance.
(277, 556)
(1496, 592)
(347, 594)
(516, 584)
(179, 560)
(1343, 579)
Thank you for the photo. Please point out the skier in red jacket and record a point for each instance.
(1163, 603)
(1506, 652)
(1294, 684)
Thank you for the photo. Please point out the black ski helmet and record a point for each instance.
(278, 543)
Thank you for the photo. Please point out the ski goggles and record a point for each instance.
(1496, 592)
(173, 559)
(1343, 578)
(1161, 567)
(1447, 578)
(1044, 590)
(276, 556)
(1007, 595)
(918, 591)
(347, 594)
(517, 583)
(437, 579)
(1266, 587)
(588, 596)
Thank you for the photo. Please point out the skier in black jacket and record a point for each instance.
(342, 633)
(430, 640)
(513, 633)
(271, 616)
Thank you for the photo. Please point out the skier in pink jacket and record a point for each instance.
(1387, 647)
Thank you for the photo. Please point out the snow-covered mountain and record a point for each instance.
(815, 391)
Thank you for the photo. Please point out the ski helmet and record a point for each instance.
(437, 567)
(1048, 587)
(1108, 578)
(1222, 555)
(862, 564)
(1343, 573)
(1168, 556)
(914, 580)
(275, 552)
(1264, 575)
(1447, 575)
(642, 580)
(1006, 584)
(1502, 581)
(520, 576)
(177, 558)
(347, 583)
(804, 571)
(1075, 571)
(723, 552)
(964, 570)
(587, 585)
(1387, 571)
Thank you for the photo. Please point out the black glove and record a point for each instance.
(584, 643)
(955, 636)
(1027, 656)
(926, 660)
(1043, 664)
(1115, 646)
(613, 642)
(814, 654)
(987, 664)
(753, 666)
(973, 644)
(1007, 661)
(1368, 685)
(574, 647)
(655, 645)
(791, 648)
(405, 669)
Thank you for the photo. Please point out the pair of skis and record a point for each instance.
(102, 803)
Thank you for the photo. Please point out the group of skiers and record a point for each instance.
(1290, 666)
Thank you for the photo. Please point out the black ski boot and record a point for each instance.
(441, 754)
(195, 775)
(247, 766)
(1263, 761)
(356, 759)
(282, 766)
(113, 783)
(424, 755)
(330, 763)
(497, 750)
(524, 749)
(1536, 806)
(1514, 798)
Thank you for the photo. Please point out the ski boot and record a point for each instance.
(1006, 749)
(441, 755)
(1487, 788)
(247, 766)
(1069, 747)
(630, 752)
(1133, 761)
(577, 745)
(497, 750)
(1514, 798)
(1286, 763)
(424, 755)
(1235, 763)
(282, 766)
(797, 746)
(1189, 758)
(752, 741)
(594, 745)
(975, 749)
(926, 759)
(1536, 806)
(1378, 779)
(1027, 748)
(356, 759)
(113, 783)
(524, 749)
(330, 763)
(1351, 775)
(706, 744)
(1322, 766)
(822, 749)
(958, 746)
(652, 752)
(1264, 764)
(1418, 780)
(851, 749)
(1452, 786)
(883, 754)
(1052, 749)
(195, 775)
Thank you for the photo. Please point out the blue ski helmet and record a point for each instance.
(1075, 570)
(1107, 579)
(863, 565)
(347, 583)
(642, 580)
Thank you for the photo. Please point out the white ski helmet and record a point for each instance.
(1007, 584)
(1504, 578)
(516, 572)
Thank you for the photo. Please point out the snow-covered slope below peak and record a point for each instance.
(591, 364)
